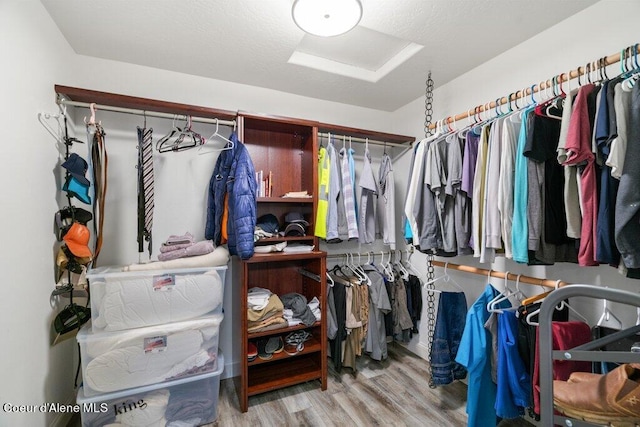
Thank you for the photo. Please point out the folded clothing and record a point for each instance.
(220, 256)
(168, 248)
(298, 303)
(201, 248)
(276, 322)
(257, 298)
(179, 239)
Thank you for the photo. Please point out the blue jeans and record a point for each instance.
(450, 321)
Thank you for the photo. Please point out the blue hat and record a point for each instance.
(77, 167)
(268, 223)
(77, 189)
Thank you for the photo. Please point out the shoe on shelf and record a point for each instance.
(272, 345)
(262, 351)
(252, 351)
(611, 399)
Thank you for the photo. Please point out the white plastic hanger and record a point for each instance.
(398, 263)
(229, 145)
(92, 119)
(608, 319)
(330, 281)
(446, 278)
(560, 306)
(492, 307)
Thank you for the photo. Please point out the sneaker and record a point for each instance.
(262, 352)
(252, 351)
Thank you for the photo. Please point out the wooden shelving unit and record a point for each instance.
(288, 149)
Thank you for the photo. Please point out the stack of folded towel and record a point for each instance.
(184, 246)
(264, 310)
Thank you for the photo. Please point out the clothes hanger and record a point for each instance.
(330, 281)
(446, 278)
(502, 296)
(561, 306)
(367, 280)
(608, 319)
(386, 268)
(183, 139)
(229, 145)
(92, 118)
(534, 298)
(492, 307)
(398, 263)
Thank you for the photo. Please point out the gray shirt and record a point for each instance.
(379, 304)
(368, 192)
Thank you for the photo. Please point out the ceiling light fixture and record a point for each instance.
(326, 18)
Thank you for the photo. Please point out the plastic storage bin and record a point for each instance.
(189, 401)
(113, 361)
(123, 300)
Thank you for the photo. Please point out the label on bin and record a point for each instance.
(164, 282)
(155, 344)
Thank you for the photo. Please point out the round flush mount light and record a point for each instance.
(326, 18)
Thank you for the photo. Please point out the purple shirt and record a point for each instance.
(469, 161)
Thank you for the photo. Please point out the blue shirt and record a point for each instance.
(520, 228)
(514, 382)
(474, 353)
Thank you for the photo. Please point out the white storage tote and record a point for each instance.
(113, 361)
(189, 401)
(123, 300)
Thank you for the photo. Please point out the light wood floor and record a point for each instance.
(390, 393)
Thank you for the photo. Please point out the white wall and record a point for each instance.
(35, 57)
(600, 30)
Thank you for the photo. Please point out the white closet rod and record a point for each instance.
(362, 140)
(63, 101)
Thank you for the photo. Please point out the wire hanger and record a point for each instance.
(179, 139)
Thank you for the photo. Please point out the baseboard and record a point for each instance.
(230, 370)
(422, 350)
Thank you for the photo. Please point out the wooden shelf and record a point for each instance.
(305, 200)
(145, 104)
(283, 373)
(282, 256)
(285, 239)
(310, 346)
(363, 133)
(286, 330)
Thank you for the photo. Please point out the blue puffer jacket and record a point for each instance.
(234, 175)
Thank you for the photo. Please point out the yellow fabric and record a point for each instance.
(323, 194)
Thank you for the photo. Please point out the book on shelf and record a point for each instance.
(265, 183)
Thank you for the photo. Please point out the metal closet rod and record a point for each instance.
(370, 253)
(362, 140)
(64, 101)
(561, 78)
(481, 271)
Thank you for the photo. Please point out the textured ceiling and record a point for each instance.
(251, 41)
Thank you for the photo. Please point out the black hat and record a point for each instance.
(77, 167)
(65, 218)
(295, 217)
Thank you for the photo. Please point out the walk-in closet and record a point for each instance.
(320, 213)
